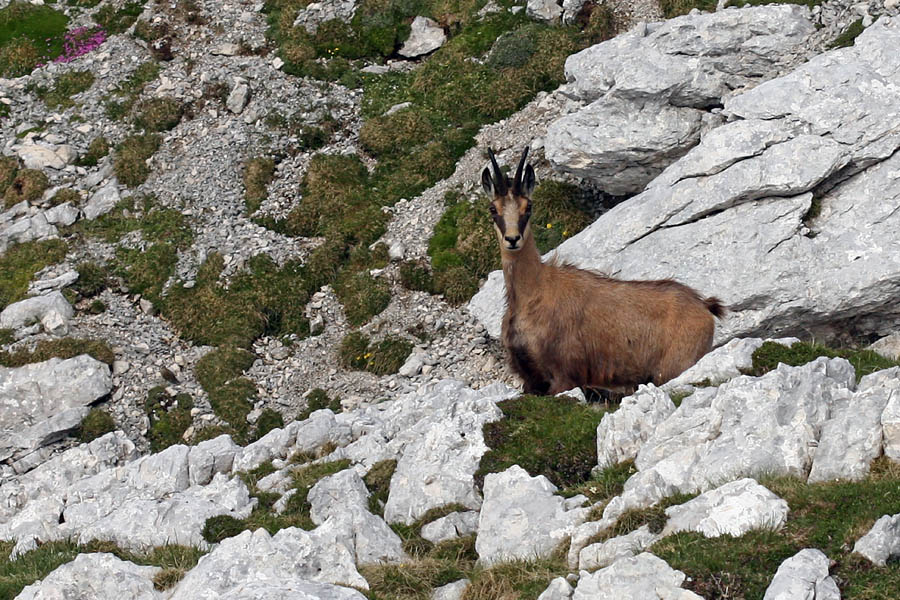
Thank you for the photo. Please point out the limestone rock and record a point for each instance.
(603, 554)
(882, 542)
(721, 364)
(732, 509)
(746, 426)
(102, 201)
(451, 591)
(425, 36)
(804, 575)
(62, 214)
(642, 577)
(742, 197)
(452, 526)
(42, 156)
(888, 346)
(559, 589)
(41, 401)
(210, 457)
(99, 576)
(852, 438)
(291, 554)
(289, 588)
(19, 314)
(317, 13)
(621, 434)
(438, 466)
(522, 518)
(890, 424)
(543, 10)
(238, 98)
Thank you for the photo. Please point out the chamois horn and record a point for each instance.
(517, 182)
(500, 187)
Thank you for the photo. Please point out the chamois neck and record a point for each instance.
(521, 270)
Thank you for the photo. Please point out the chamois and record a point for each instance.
(566, 327)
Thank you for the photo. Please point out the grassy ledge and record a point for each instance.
(768, 356)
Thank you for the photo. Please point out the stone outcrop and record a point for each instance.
(882, 542)
(425, 36)
(804, 575)
(743, 199)
(647, 89)
(99, 576)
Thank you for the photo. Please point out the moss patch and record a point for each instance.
(63, 348)
(19, 264)
(768, 356)
(545, 435)
(29, 35)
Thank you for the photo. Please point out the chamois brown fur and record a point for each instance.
(567, 327)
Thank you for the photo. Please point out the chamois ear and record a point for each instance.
(528, 181)
(486, 183)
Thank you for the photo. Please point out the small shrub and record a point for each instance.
(223, 364)
(97, 423)
(19, 264)
(258, 174)
(28, 184)
(169, 418)
(66, 85)
(318, 399)
(513, 49)
(63, 348)
(378, 482)
(554, 437)
(147, 272)
(415, 275)
(65, 195)
(158, 114)
(130, 161)
(362, 296)
(118, 20)
(268, 420)
(97, 149)
(92, 279)
(221, 527)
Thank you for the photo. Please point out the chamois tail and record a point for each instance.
(715, 306)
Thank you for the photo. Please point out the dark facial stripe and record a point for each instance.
(501, 224)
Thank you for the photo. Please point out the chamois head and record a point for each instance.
(510, 201)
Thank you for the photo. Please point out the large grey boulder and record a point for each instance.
(425, 36)
(40, 402)
(32, 310)
(621, 434)
(452, 526)
(291, 554)
(98, 576)
(804, 575)
(523, 518)
(852, 438)
(342, 498)
(543, 10)
(54, 476)
(642, 577)
(290, 588)
(646, 89)
(44, 156)
(317, 13)
(747, 426)
(882, 542)
(559, 589)
(102, 201)
(742, 199)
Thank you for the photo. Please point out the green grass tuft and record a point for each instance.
(768, 356)
(28, 184)
(146, 272)
(363, 296)
(130, 160)
(258, 174)
(115, 20)
(158, 114)
(29, 35)
(848, 36)
(97, 423)
(378, 482)
(19, 264)
(63, 348)
(92, 279)
(318, 399)
(381, 358)
(66, 85)
(545, 435)
(97, 149)
(169, 418)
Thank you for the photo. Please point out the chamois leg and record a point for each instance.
(524, 367)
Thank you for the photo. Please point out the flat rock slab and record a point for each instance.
(804, 575)
(34, 309)
(425, 36)
(642, 577)
(99, 576)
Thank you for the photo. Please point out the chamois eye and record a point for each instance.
(493, 209)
